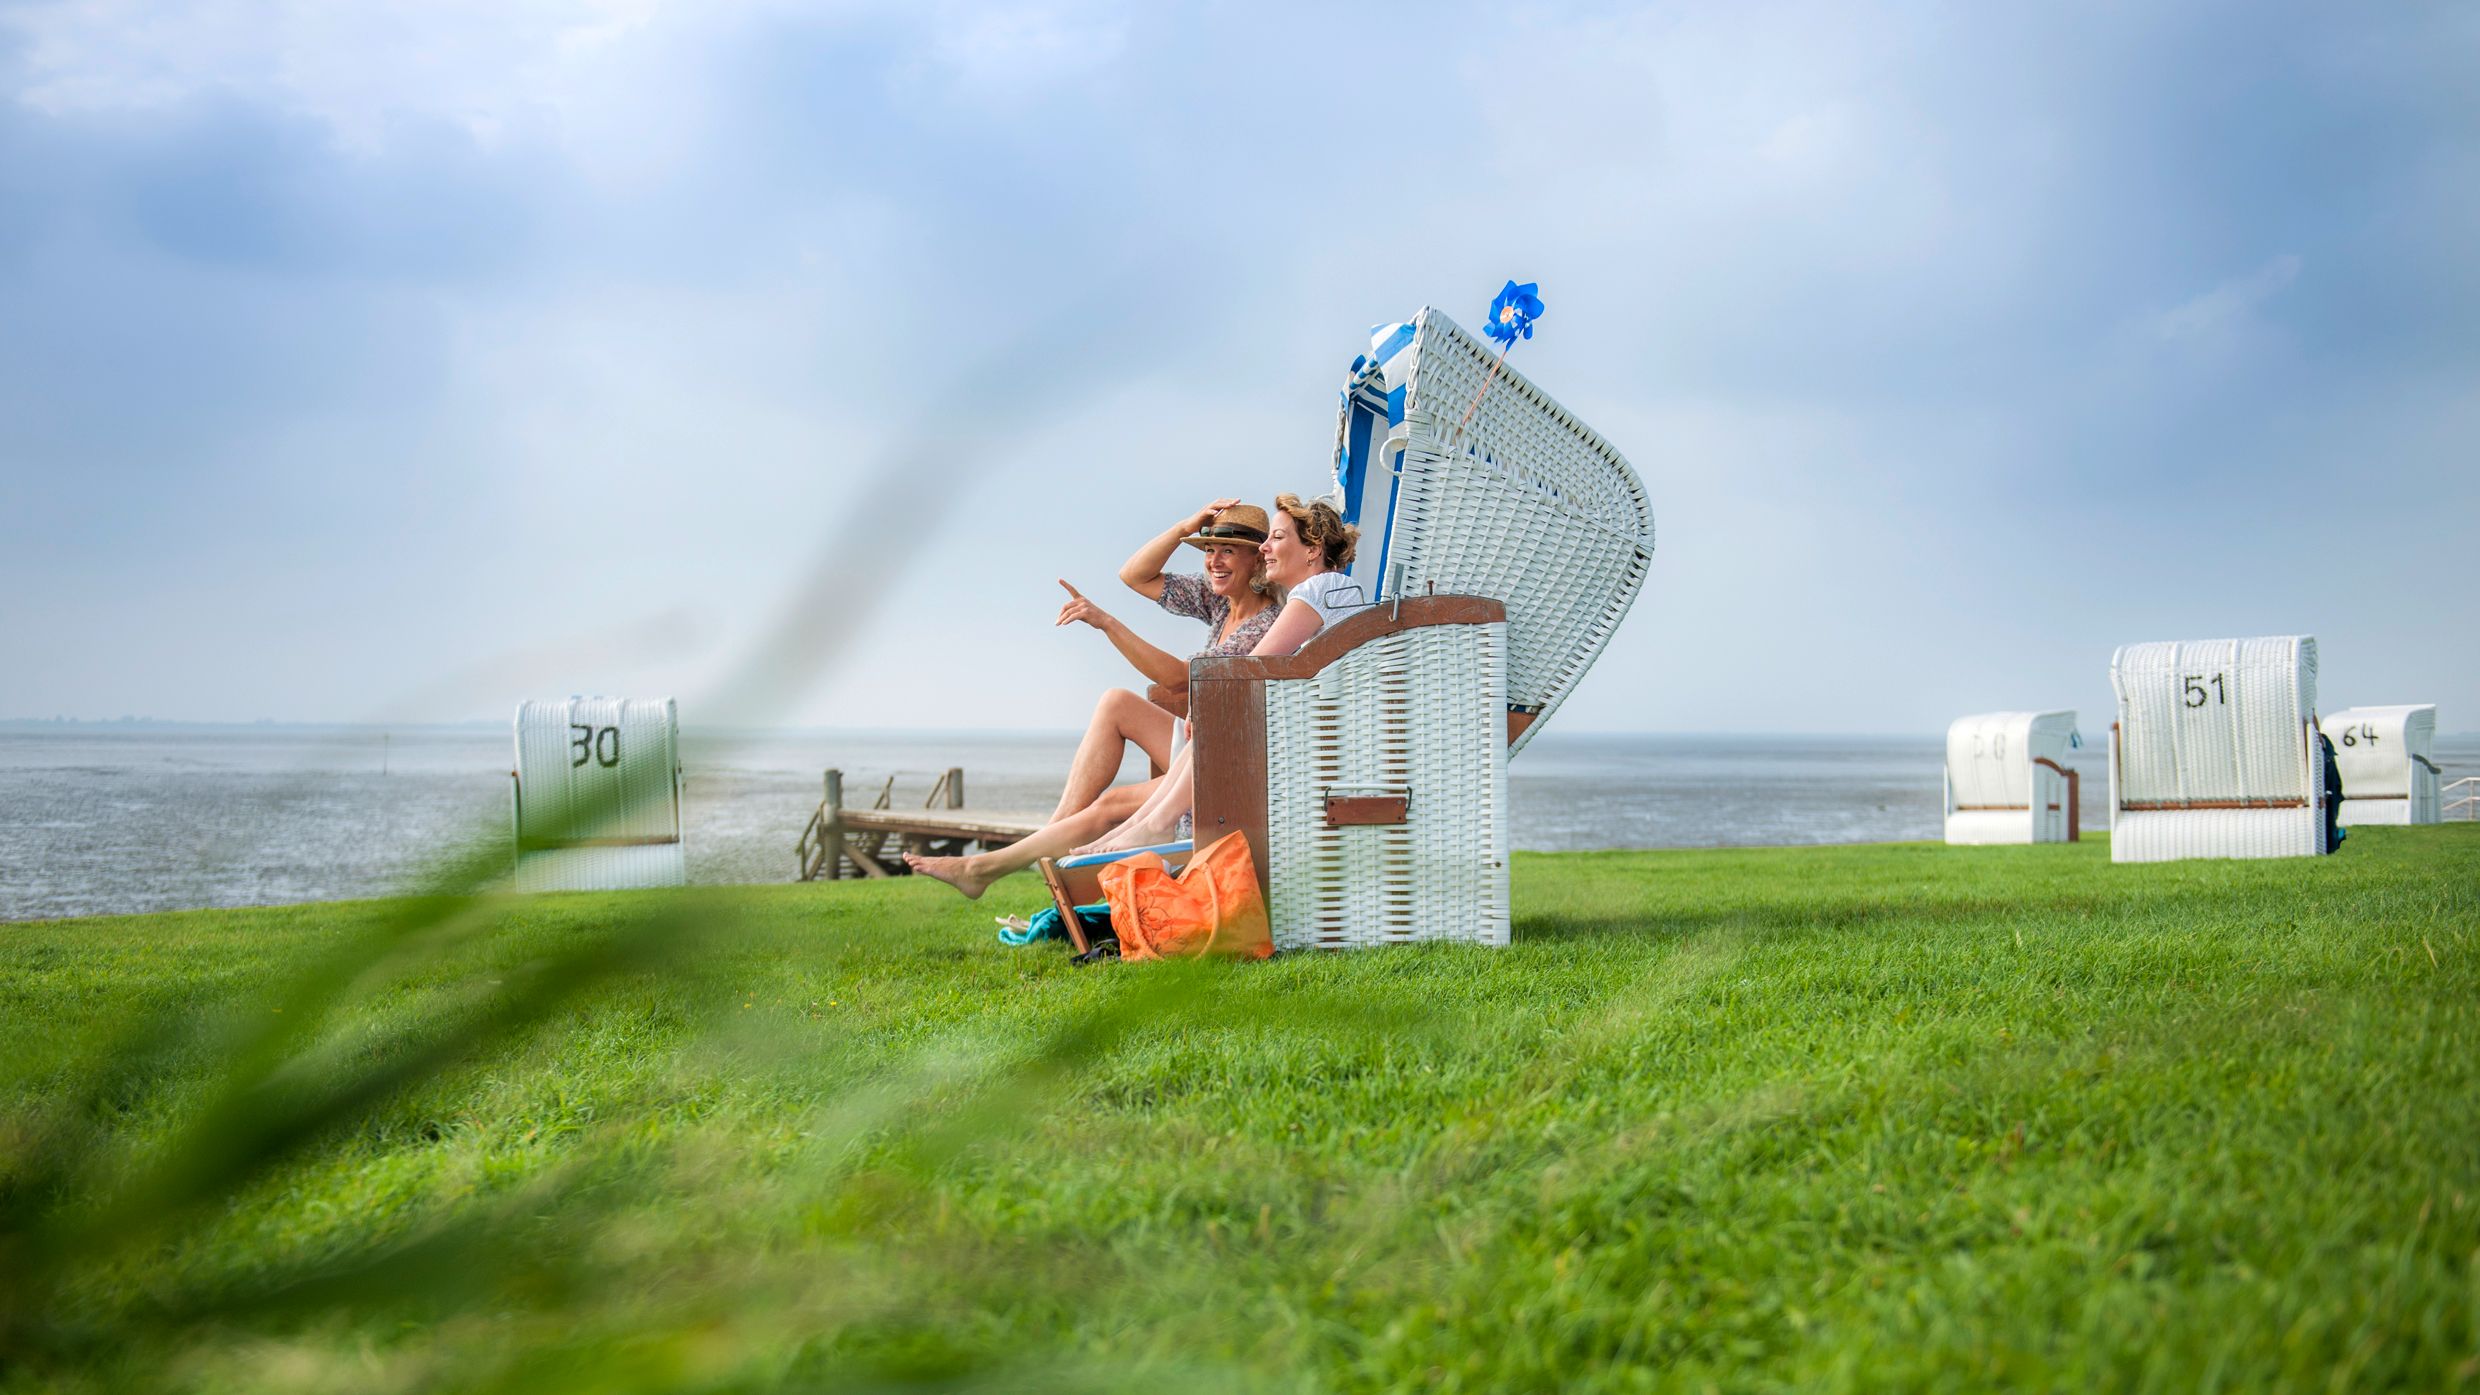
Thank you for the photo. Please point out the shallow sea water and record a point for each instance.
(106, 819)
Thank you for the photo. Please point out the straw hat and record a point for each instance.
(1243, 524)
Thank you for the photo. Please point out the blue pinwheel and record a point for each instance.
(1513, 313)
(1511, 319)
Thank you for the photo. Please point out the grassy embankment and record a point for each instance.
(1855, 1118)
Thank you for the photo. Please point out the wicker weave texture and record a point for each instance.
(1422, 714)
(1983, 827)
(1995, 792)
(1526, 505)
(2359, 813)
(601, 869)
(2215, 722)
(600, 776)
(2387, 759)
(2170, 835)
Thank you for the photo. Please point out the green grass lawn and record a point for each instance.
(1841, 1118)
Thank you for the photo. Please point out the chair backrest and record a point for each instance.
(1989, 757)
(1522, 504)
(2379, 749)
(2216, 723)
(596, 771)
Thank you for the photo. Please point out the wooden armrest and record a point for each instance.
(1171, 698)
(1324, 647)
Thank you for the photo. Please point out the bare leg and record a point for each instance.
(1158, 820)
(1120, 719)
(973, 875)
(1119, 801)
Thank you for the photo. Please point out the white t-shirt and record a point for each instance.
(1333, 595)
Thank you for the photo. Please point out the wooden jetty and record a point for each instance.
(843, 841)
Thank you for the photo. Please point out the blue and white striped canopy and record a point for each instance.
(1466, 479)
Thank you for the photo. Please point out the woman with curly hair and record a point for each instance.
(1306, 548)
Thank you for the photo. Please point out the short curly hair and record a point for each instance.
(1317, 524)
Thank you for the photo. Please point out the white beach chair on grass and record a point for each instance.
(2007, 780)
(596, 795)
(2384, 754)
(1524, 504)
(2214, 752)
(1369, 770)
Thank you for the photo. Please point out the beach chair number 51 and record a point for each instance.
(600, 745)
(2193, 693)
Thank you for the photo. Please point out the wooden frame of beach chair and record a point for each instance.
(1063, 900)
(2214, 753)
(1077, 881)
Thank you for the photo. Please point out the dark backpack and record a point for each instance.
(2334, 831)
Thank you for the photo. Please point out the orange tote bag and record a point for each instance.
(1212, 907)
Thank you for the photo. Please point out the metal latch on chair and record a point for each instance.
(1375, 808)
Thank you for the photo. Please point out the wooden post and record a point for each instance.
(834, 838)
(955, 800)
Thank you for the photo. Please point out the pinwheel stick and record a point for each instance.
(1475, 405)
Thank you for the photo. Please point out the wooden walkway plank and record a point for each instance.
(838, 835)
(943, 823)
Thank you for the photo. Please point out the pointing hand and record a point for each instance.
(1079, 608)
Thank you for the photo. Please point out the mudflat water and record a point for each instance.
(107, 818)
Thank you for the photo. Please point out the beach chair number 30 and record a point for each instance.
(2193, 688)
(598, 744)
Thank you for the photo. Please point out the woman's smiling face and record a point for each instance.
(1289, 561)
(1229, 567)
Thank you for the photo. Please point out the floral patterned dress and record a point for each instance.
(1189, 595)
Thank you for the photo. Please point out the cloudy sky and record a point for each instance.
(392, 362)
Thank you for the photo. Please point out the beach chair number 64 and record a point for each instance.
(2365, 734)
(2194, 690)
(598, 744)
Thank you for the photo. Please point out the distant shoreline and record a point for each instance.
(158, 725)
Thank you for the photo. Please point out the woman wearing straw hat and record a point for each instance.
(1234, 600)
(1303, 551)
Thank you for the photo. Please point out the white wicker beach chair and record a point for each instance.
(596, 795)
(1522, 504)
(2384, 753)
(2214, 752)
(1369, 774)
(2007, 779)
(1369, 770)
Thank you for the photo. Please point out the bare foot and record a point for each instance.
(1108, 843)
(955, 871)
(1128, 836)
